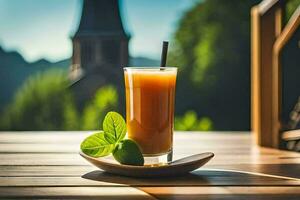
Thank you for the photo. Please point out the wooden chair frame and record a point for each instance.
(268, 37)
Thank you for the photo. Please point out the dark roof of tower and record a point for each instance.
(100, 18)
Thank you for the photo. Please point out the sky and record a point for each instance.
(43, 28)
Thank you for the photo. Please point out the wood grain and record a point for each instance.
(47, 165)
(266, 21)
(186, 193)
(123, 193)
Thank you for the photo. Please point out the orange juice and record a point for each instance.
(150, 102)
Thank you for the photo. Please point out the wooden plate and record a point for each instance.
(175, 168)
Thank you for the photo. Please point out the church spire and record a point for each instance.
(100, 49)
(101, 18)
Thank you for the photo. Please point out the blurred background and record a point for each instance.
(61, 60)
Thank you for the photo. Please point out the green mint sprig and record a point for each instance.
(114, 127)
(96, 145)
(111, 140)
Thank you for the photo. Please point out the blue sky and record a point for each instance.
(42, 28)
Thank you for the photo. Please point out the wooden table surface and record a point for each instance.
(46, 165)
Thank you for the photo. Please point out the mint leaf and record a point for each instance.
(96, 146)
(114, 127)
(128, 152)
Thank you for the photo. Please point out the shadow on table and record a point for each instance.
(197, 178)
(288, 171)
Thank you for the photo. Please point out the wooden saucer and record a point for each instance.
(175, 168)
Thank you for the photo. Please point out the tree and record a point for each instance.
(105, 100)
(212, 50)
(42, 103)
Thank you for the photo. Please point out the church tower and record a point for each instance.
(100, 49)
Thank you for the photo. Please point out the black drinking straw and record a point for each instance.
(164, 54)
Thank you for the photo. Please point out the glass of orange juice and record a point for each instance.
(150, 99)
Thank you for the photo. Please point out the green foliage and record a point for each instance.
(204, 53)
(291, 6)
(105, 100)
(190, 122)
(212, 51)
(71, 115)
(42, 103)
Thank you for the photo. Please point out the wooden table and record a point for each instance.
(46, 165)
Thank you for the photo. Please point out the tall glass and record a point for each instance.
(150, 99)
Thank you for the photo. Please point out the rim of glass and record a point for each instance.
(150, 68)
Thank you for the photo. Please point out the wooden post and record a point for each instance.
(266, 26)
(267, 40)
